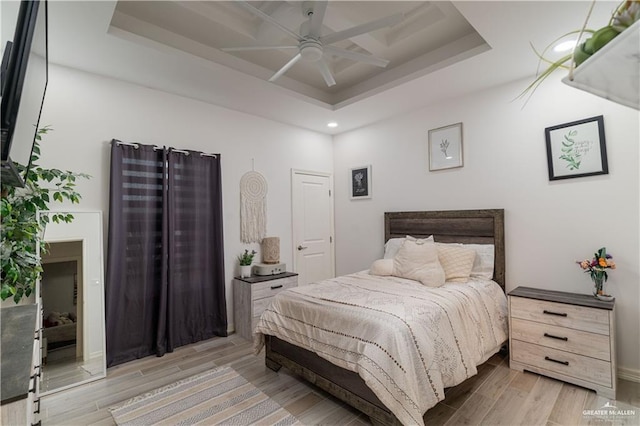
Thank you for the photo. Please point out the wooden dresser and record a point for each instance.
(20, 365)
(566, 336)
(252, 295)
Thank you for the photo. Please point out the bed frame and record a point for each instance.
(461, 226)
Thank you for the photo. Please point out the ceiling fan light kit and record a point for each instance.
(314, 47)
(311, 50)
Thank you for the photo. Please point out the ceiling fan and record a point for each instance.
(312, 45)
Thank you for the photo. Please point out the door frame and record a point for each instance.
(332, 244)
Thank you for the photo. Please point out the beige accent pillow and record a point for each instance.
(457, 261)
(485, 257)
(382, 267)
(418, 260)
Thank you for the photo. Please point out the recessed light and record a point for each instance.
(565, 46)
(332, 124)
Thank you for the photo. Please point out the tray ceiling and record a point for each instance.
(432, 35)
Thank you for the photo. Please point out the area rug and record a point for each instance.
(217, 397)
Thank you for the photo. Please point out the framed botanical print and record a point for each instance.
(445, 147)
(577, 149)
(360, 178)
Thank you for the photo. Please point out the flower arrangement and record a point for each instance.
(246, 258)
(597, 268)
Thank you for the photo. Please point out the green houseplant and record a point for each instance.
(623, 17)
(21, 229)
(246, 258)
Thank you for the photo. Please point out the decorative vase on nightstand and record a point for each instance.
(599, 291)
(598, 285)
(597, 268)
(245, 271)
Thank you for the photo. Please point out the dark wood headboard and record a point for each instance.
(453, 226)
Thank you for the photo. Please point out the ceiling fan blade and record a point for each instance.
(361, 57)
(326, 72)
(319, 8)
(387, 21)
(286, 67)
(267, 18)
(247, 48)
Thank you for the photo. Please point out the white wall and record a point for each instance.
(549, 225)
(86, 111)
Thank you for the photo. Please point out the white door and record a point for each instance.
(312, 215)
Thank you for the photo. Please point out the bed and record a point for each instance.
(334, 369)
(60, 329)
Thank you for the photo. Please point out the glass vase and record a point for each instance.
(598, 286)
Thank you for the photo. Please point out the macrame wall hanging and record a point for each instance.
(253, 207)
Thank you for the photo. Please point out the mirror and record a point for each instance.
(71, 293)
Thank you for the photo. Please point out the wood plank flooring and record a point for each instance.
(497, 395)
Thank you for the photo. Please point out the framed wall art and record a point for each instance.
(445, 147)
(360, 179)
(577, 149)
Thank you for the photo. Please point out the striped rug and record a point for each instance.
(217, 397)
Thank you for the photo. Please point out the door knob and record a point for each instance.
(301, 248)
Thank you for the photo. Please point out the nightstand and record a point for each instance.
(566, 336)
(252, 295)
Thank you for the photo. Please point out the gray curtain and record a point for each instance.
(165, 259)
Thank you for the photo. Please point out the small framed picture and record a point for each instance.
(445, 147)
(577, 149)
(360, 178)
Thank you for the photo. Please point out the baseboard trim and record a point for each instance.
(629, 374)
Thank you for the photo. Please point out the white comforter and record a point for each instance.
(407, 341)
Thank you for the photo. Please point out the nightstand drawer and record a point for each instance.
(588, 319)
(566, 339)
(271, 288)
(581, 367)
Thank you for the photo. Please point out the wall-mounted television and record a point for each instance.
(24, 83)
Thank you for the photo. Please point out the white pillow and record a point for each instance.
(457, 261)
(382, 267)
(418, 260)
(485, 258)
(392, 246)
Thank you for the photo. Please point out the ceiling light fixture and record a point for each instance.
(332, 124)
(565, 46)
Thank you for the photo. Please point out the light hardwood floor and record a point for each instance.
(495, 396)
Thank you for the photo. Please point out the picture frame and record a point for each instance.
(577, 149)
(360, 182)
(445, 147)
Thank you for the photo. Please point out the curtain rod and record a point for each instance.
(202, 154)
(135, 145)
(156, 147)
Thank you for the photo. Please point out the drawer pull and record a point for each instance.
(554, 313)
(37, 401)
(555, 360)
(273, 287)
(556, 337)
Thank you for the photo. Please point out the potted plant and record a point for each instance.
(624, 16)
(245, 260)
(21, 229)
